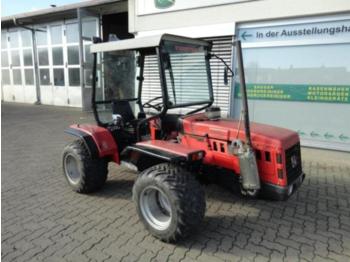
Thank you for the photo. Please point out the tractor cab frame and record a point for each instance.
(174, 55)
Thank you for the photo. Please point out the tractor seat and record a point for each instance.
(171, 123)
(123, 108)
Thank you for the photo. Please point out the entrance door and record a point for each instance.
(73, 64)
(45, 77)
(7, 91)
(58, 58)
(28, 67)
(16, 67)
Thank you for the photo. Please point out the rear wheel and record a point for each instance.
(83, 173)
(169, 201)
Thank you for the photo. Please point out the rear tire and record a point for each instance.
(169, 201)
(84, 174)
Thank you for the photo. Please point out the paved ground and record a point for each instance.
(43, 220)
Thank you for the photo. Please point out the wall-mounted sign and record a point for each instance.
(163, 3)
(295, 32)
(145, 7)
(292, 92)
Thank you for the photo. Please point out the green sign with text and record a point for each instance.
(163, 3)
(291, 92)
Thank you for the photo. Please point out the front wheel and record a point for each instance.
(169, 201)
(251, 193)
(83, 173)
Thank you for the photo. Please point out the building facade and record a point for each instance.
(45, 55)
(296, 53)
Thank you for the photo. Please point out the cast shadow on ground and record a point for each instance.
(246, 224)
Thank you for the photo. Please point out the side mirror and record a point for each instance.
(225, 77)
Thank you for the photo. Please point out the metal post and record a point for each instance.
(36, 69)
(81, 54)
(243, 91)
(140, 78)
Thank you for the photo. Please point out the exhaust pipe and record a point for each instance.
(247, 161)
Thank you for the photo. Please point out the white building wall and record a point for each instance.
(236, 12)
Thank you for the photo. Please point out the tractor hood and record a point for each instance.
(226, 129)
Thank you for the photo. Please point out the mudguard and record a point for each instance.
(98, 140)
(166, 151)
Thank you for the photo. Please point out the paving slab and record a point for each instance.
(44, 220)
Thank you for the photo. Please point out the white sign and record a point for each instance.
(339, 30)
(145, 7)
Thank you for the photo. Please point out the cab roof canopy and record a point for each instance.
(143, 43)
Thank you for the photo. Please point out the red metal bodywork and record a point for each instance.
(214, 136)
(103, 139)
(174, 148)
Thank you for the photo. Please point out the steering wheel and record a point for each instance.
(157, 106)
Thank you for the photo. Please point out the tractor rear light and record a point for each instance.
(279, 158)
(280, 173)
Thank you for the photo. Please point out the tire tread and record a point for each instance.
(93, 171)
(188, 193)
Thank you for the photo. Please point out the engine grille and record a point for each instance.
(293, 163)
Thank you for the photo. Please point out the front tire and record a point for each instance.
(250, 193)
(84, 174)
(169, 201)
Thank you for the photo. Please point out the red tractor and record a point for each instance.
(176, 138)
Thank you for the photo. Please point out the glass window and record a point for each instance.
(27, 57)
(312, 64)
(73, 55)
(4, 59)
(74, 76)
(88, 77)
(72, 33)
(58, 77)
(26, 36)
(15, 58)
(14, 40)
(44, 77)
(56, 34)
(89, 58)
(17, 76)
(29, 76)
(57, 55)
(186, 73)
(5, 77)
(41, 36)
(297, 73)
(43, 56)
(3, 39)
(89, 28)
(119, 74)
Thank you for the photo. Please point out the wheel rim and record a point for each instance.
(252, 192)
(155, 208)
(71, 169)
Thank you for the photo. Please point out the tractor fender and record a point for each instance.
(98, 140)
(161, 151)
